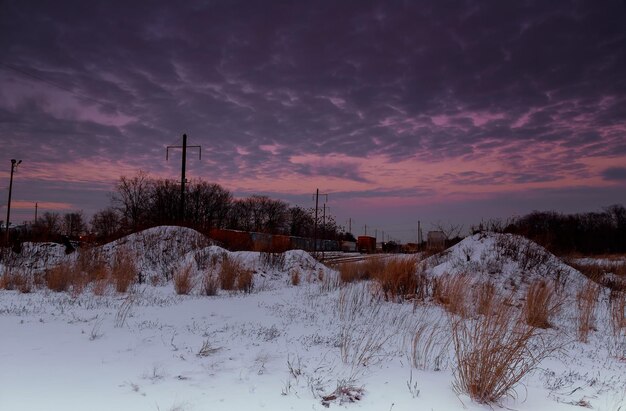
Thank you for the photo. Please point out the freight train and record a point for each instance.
(235, 240)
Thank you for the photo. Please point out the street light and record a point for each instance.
(14, 164)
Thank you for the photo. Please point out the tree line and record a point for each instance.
(601, 232)
(141, 201)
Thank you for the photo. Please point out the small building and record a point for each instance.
(436, 240)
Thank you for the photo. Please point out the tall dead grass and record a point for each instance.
(494, 352)
(586, 302)
(450, 292)
(16, 280)
(617, 308)
(184, 280)
(484, 294)
(234, 276)
(123, 270)
(542, 303)
(399, 280)
(210, 283)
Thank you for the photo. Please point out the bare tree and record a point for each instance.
(132, 199)
(73, 224)
(105, 223)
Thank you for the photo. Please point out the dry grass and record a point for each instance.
(484, 294)
(597, 272)
(350, 272)
(542, 302)
(494, 352)
(183, 280)
(295, 277)
(617, 308)
(16, 281)
(399, 280)
(586, 302)
(210, 283)
(59, 278)
(234, 276)
(123, 270)
(429, 346)
(449, 291)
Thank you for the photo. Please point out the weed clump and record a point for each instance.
(183, 280)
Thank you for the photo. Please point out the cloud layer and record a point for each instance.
(383, 104)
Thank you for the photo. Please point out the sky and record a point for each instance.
(447, 112)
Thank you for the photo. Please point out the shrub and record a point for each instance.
(586, 301)
(183, 280)
(494, 352)
(541, 303)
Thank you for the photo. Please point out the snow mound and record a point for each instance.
(33, 257)
(509, 260)
(157, 249)
(268, 268)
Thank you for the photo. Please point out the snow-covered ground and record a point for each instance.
(281, 347)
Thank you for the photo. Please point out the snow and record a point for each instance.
(281, 347)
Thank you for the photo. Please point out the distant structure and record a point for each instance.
(436, 240)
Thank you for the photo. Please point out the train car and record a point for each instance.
(232, 240)
(366, 244)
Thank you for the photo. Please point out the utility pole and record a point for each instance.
(350, 225)
(317, 195)
(36, 206)
(365, 229)
(183, 179)
(14, 164)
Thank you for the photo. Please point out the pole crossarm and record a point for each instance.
(183, 179)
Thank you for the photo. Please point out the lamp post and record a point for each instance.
(14, 163)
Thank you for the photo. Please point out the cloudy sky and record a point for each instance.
(446, 111)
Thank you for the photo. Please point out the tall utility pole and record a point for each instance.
(14, 164)
(317, 195)
(36, 207)
(183, 179)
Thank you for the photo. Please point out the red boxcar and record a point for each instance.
(366, 244)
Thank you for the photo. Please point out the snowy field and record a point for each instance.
(312, 346)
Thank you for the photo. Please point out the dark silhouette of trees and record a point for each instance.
(105, 224)
(586, 233)
(132, 199)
